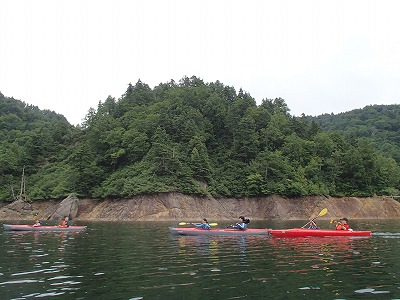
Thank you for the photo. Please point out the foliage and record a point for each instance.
(197, 138)
(380, 124)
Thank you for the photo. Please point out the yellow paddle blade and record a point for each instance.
(213, 224)
(182, 223)
(323, 212)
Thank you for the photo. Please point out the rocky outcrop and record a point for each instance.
(174, 206)
(17, 210)
(44, 210)
(68, 207)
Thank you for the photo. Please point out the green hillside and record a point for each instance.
(190, 137)
(380, 124)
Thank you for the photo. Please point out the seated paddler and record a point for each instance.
(203, 225)
(242, 224)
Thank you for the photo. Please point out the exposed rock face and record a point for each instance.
(68, 207)
(20, 206)
(44, 210)
(174, 206)
(16, 209)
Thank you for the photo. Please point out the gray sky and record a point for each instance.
(321, 56)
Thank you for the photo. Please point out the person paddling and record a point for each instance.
(343, 225)
(203, 225)
(64, 222)
(37, 223)
(242, 224)
(313, 225)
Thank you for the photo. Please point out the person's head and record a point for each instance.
(66, 218)
(204, 221)
(242, 218)
(343, 220)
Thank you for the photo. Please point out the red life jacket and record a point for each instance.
(342, 226)
(64, 223)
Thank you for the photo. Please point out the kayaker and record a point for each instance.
(343, 225)
(203, 225)
(64, 222)
(37, 223)
(313, 225)
(242, 224)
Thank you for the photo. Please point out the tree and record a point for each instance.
(199, 160)
(246, 141)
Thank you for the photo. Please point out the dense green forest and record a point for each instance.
(378, 124)
(190, 137)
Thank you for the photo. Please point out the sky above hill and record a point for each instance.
(319, 56)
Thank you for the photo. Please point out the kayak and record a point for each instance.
(218, 231)
(42, 228)
(305, 232)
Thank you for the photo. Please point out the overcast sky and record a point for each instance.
(321, 56)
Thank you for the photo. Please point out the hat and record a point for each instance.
(344, 219)
(241, 217)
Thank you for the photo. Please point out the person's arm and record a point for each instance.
(240, 226)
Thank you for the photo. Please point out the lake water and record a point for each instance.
(144, 261)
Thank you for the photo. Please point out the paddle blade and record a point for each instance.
(323, 212)
(182, 223)
(213, 224)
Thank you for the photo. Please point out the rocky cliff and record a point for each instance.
(173, 206)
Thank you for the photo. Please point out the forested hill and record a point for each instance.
(33, 139)
(380, 124)
(189, 137)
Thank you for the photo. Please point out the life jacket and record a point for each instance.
(206, 226)
(241, 225)
(64, 223)
(341, 226)
(202, 226)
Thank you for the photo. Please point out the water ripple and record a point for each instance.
(20, 281)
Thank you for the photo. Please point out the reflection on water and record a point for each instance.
(144, 261)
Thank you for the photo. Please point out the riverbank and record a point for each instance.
(174, 206)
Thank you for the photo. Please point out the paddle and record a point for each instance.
(321, 213)
(186, 223)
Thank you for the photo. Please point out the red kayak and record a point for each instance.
(305, 232)
(42, 228)
(218, 231)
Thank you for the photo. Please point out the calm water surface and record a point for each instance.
(144, 261)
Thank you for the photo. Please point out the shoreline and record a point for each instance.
(175, 206)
